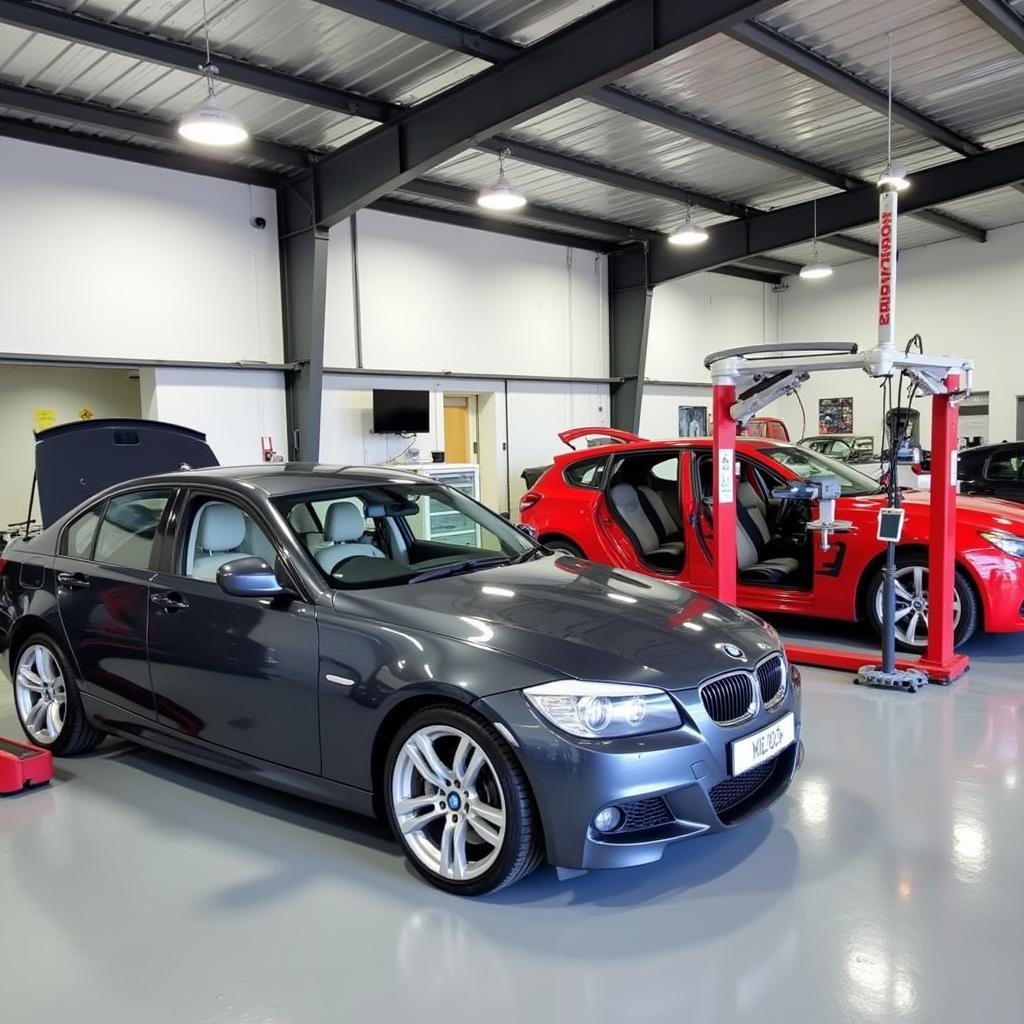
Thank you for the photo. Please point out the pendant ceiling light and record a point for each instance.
(211, 124)
(501, 195)
(689, 233)
(893, 177)
(817, 268)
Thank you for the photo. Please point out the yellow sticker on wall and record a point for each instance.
(44, 418)
(85, 414)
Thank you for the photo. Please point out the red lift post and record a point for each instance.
(747, 379)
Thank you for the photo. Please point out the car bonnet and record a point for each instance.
(579, 620)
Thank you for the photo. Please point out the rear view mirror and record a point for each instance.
(381, 509)
(248, 577)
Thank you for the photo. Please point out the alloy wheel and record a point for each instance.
(448, 803)
(912, 605)
(40, 693)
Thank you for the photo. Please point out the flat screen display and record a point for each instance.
(401, 412)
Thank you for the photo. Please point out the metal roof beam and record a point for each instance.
(616, 98)
(613, 41)
(427, 26)
(776, 46)
(1000, 18)
(77, 28)
(479, 222)
(545, 215)
(738, 240)
(606, 175)
(850, 244)
(770, 265)
(26, 131)
(686, 124)
(94, 115)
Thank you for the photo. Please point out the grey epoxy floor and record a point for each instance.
(888, 886)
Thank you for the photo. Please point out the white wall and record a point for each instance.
(447, 299)
(105, 258)
(693, 316)
(65, 391)
(513, 434)
(234, 408)
(963, 298)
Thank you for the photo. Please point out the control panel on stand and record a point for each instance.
(823, 489)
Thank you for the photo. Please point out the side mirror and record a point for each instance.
(248, 577)
(528, 531)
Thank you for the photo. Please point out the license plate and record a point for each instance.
(762, 746)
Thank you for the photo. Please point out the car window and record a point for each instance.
(667, 469)
(840, 449)
(1004, 466)
(392, 532)
(805, 463)
(128, 529)
(586, 472)
(217, 532)
(80, 534)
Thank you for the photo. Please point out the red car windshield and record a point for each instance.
(805, 463)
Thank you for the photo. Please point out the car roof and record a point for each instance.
(281, 478)
(743, 442)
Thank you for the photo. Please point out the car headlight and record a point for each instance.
(1005, 542)
(603, 710)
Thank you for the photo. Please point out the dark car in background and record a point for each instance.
(993, 470)
(315, 629)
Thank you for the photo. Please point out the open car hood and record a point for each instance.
(77, 460)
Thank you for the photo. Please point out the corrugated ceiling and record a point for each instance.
(949, 65)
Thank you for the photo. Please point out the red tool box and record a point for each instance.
(22, 765)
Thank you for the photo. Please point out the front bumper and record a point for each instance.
(675, 784)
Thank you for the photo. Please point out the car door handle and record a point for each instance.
(72, 581)
(171, 602)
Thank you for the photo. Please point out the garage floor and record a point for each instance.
(886, 887)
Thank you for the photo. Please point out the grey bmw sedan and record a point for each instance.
(379, 642)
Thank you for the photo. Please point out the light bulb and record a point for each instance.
(815, 270)
(688, 234)
(212, 125)
(893, 177)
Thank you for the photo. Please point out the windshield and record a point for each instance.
(381, 535)
(805, 463)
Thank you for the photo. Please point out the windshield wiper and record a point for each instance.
(527, 555)
(457, 568)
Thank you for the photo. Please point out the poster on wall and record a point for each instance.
(693, 421)
(835, 415)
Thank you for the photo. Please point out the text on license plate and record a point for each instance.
(762, 746)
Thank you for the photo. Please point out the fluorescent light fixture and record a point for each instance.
(689, 233)
(212, 125)
(893, 178)
(815, 270)
(501, 195)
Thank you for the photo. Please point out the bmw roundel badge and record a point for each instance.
(734, 652)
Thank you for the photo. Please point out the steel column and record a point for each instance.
(940, 660)
(304, 301)
(724, 486)
(630, 297)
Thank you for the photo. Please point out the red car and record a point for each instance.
(646, 506)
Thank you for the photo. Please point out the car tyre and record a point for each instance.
(445, 770)
(47, 699)
(561, 546)
(914, 586)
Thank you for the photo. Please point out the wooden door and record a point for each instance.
(456, 433)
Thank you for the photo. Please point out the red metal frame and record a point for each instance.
(23, 765)
(940, 663)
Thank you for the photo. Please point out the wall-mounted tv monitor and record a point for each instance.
(401, 412)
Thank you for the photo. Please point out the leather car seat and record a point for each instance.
(220, 537)
(752, 537)
(649, 520)
(343, 530)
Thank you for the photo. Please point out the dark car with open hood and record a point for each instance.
(374, 640)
